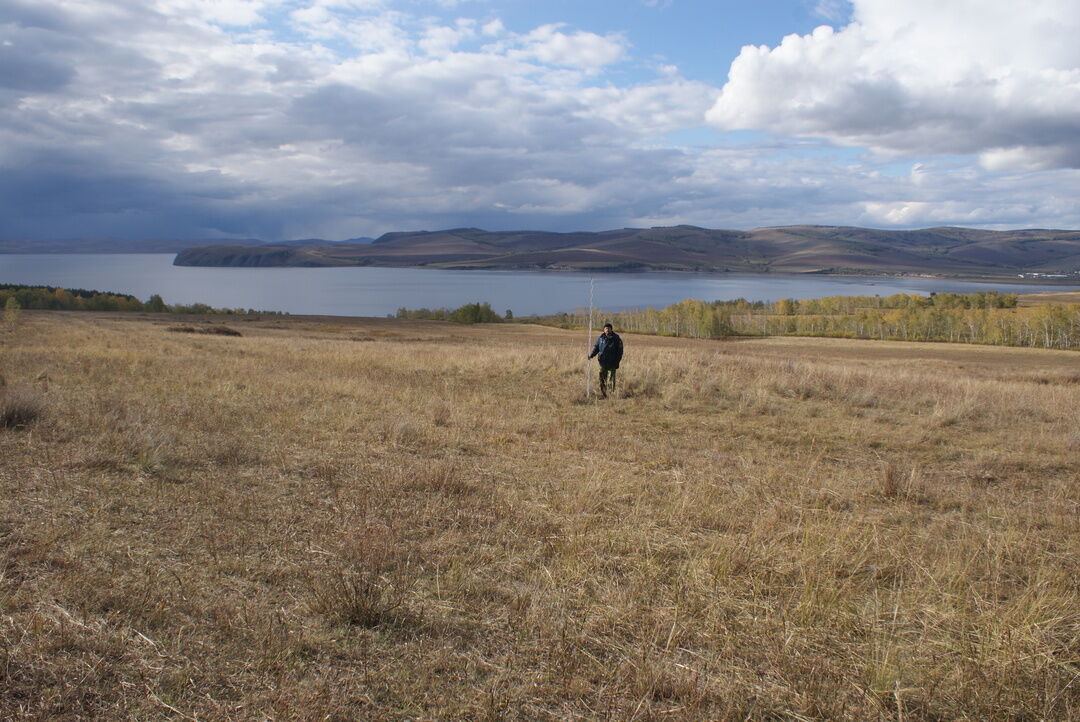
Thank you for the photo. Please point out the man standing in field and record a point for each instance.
(609, 348)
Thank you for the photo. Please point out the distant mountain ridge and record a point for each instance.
(791, 249)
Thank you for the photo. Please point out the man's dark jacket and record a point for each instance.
(609, 348)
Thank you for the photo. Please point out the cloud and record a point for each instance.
(30, 65)
(833, 10)
(548, 44)
(357, 120)
(51, 192)
(341, 118)
(224, 12)
(442, 40)
(992, 78)
(750, 187)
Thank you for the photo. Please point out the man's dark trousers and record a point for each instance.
(605, 373)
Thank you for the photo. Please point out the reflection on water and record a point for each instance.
(381, 291)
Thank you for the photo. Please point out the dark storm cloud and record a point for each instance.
(31, 71)
(31, 56)
(50, 192)
(32, 15)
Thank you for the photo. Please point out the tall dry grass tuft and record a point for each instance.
(902, 482)
(360, 596)
(19, 407)
(366, 581)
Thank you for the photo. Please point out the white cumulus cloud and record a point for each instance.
(992, 78)
(224, 12)
(548, 44)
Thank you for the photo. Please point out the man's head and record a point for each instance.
(608, 329)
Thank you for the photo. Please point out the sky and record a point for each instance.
(335, 119)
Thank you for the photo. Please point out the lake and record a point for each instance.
(360, 291)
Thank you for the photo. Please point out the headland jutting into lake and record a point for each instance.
(939, 252)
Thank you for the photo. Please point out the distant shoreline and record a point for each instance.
(1010, 278)
(940, 253)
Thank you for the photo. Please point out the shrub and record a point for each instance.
(212, 330)
(156, 304)
(469, 313)
(368, 581)
(11, 311)
(360, 596)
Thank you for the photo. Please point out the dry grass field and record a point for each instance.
(1037, 299)
(335, 519)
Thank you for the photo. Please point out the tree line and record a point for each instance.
(81, 299)
(469, 313)
(980, 318)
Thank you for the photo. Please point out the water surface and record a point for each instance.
(365, 291)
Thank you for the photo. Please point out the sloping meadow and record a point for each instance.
(384, 519)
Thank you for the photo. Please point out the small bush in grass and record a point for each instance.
(369, 581)
(18, 408)
(641, 387)
(442, 477)
(360, 596)
(211, 330)
(902, 483)
(12, 309)
(403, 432)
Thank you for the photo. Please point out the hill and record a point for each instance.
(793, 249)
(316, 520)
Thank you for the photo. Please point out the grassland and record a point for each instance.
(1038, 299)
(376, 519)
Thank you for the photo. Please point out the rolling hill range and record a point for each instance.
(792, 249)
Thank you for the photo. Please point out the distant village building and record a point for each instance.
(1048, 275)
